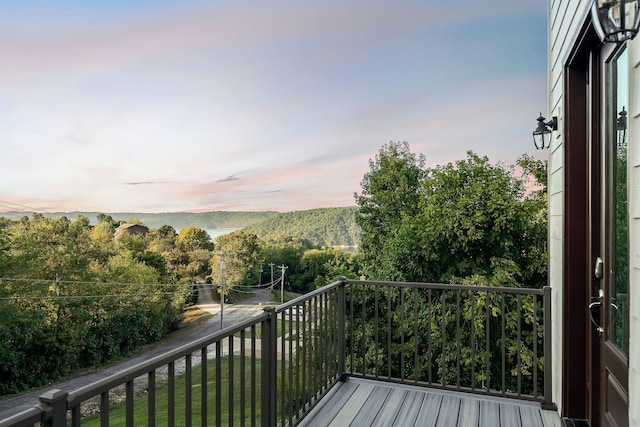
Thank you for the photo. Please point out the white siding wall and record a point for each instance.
(565, 20)
(566, 17)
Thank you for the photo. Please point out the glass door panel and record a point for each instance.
(617, 295)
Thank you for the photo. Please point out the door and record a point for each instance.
(595, 251)
(582, 206)
(614, 274)
(581, 224)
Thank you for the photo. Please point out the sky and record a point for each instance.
(193, 106)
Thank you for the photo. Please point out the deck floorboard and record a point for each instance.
(429, 410)
(409, 410)
(375, 403)
(391, 408)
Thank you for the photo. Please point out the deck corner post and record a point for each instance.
(56, 401)
(269, 350)
(548, 402)
(341, 327)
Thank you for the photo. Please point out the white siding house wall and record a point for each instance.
(566, 18)
(565, 21)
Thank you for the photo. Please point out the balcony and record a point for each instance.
(361, 352)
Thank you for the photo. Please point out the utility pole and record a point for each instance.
(222, 254)
(260, 277)
(283, 267)
(271, 265)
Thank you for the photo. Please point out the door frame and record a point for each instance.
(582, 162)
(586, 353)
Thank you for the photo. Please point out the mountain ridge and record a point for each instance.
(329, 227)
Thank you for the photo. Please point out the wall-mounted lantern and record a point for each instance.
(542, 134)
(616, 20)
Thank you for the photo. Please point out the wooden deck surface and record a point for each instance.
(360, 402)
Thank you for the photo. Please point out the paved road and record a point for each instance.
(233, 313)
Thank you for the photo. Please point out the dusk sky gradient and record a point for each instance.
(168, 106)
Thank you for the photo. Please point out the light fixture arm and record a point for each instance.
(552, 124)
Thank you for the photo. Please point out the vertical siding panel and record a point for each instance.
(557, 16)
(634, 230)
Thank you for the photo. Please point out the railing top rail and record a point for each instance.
(308, 296)
(29, 416)
(444, 286)
(147, 366)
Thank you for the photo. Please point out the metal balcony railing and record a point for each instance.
(485, 340)
(275, 367)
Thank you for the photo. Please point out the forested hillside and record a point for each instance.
(329, 227)
(75, 295)
(178, 220)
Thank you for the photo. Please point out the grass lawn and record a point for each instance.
(280, 332)
(117, 412)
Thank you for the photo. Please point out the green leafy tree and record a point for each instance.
(192, 238)
(125, 268)
(537, 170)
(475, 223)
(47, 248)
(241, 266)
(76, 299)
(195, 264)
(471, 214)
(323, 266)
(104, 244)
(4, 247)
(390, 194)
(162, 239)
(108, 222)
(133, 243)
(25, 346)
(154, 260)
(288, 251)
(535, 258)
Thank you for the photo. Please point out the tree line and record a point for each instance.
(468, 222)
(75, 295)
(330, 227)
(178, 220)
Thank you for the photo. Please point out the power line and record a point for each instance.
(31, 209)
(90, 283)
(266, 285)
(61, 297)
(82, 282)
(57, 297)
(240, 291)
(52, 297)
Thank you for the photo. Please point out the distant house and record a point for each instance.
(131, 229)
